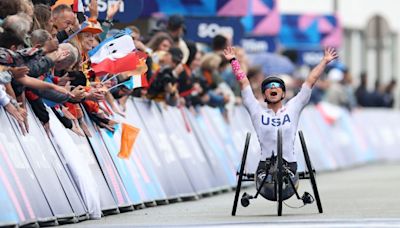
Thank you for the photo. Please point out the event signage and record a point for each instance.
(309, 57)
(200, 29)
(128, 11)
(256, 44)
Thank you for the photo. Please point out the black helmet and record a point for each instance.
(272, 79)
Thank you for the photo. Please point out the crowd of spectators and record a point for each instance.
(337, 88)
(44, 61)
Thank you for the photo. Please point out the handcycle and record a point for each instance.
(279, 183)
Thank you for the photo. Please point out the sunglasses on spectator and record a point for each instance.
(273, 84)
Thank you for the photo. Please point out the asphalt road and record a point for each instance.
(365, 196)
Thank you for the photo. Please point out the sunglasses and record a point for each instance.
(273, 84)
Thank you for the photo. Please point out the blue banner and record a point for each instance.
(200, 29)
(253, 44)
(128, 11)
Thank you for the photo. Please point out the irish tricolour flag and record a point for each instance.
(114, 55)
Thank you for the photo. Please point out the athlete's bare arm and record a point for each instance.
(330, 54)
(229, 54)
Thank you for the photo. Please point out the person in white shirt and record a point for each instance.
(266, 121)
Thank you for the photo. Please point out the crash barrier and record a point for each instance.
(179, 154)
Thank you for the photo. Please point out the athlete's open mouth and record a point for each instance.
(274, 93)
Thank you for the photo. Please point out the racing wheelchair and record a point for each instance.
(278, 183)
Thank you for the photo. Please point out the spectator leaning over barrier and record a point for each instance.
(266, 121)
(8, 7)
(189, 90)
(163, 84)
(199, 82)
(159, 44)
(20, 24)
(209, 72)
(42, 18)
(35, 59)
(10, 104)
(64, 21)
(94, 91)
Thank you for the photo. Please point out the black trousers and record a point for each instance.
(268, 188)
(262, 165)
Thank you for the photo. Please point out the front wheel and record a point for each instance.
(280, 173)
(241, 171)
(310, 171)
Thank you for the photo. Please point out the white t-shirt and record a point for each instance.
(4, 99)
(266, 122)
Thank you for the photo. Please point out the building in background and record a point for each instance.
(370, 38)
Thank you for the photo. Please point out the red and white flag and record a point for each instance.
(78, 6)
(114, 55)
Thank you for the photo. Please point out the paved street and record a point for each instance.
(365, 196)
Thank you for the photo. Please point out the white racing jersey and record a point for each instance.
(266, 122)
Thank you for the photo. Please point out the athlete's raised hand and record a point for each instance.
(330, 54)
(229, 53)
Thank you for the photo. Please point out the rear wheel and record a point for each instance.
(279, 180)
(311, 171)
(241, 171)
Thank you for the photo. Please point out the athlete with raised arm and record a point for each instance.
(266, 121)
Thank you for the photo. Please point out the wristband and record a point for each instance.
(236, 69)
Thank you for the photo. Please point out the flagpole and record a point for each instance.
(104, 78)
(84, 25)
(115, 86)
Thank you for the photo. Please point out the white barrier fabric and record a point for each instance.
(240, 123)
(78, 165)
(102, 191)
(177, 154)
(181, 120)
(172, 165)
(190, 155)
(39, 152)
(132, 169)
(380, 131)
(64, 176)
(111, 175)
(18, 175)
(144, 154)
(221, 167)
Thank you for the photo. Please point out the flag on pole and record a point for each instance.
(136, 81)
(128, 138)
(141, 81)
(78, 6)
(114, 55)
(130, 84)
